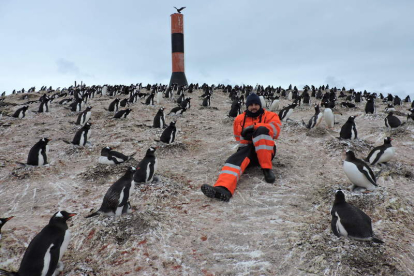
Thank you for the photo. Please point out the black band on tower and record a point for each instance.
(177, 41)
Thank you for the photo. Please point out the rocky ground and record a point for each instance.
(265, 229)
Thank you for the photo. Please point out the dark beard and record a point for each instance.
(254, 115)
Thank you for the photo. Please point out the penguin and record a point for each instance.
(114, 105)
(392, 121)
(65, 101)
(180, 99)
(168, 135)
(159, 97)
(43, 255)
(82, 135)
(186, 103)
(122, 114)
(275, 105)
(147, 167)
(390, 107)
(370, 106)
(111, 157)
(76, 106)
(44, 105)
(348, 130)
(159, 119)
(206, 101)
(316, 118)
(262, 101)
(150, 99)
(286, 112)
(116, 199)
(3, 222)
(84, 117)
(358, 172)
(38, 153)
(124, 102)
(381, 154)
(348, 105)
(177, 111)
(21, 112)
(235, 108)
(349, 221)
(411, 115)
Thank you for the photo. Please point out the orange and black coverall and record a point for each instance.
(261, 147)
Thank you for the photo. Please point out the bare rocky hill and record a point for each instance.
(265, 229)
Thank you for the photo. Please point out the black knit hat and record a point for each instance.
(253, 98)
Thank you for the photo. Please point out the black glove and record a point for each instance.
(247, 133)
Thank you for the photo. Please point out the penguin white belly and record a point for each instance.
(290, 96)
(318, 119)
(40, 159)
(21, 114)
(357, 177)
(340, 228)
(329, 117)
(289, 112)
(82, 140)
(275, 105)
(387, 155)
(148, 172)
(105, 160)
(88, 135)
(46, 261)
(172, 137)
(118, 211)
(353, 135)
(87, 117)
(65, 244)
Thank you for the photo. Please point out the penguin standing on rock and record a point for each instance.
(84, 116)
(3, 222)
(38, 153)
(168, 135)
(351, 222)
(159, 119)
(111, 157)
(392, 121)
(381, 154)
(358, 172)
(21, 112)
(82, 135)
(147, 167)
(116, 199)
(122, 114)
(348, 130)
(43, 255)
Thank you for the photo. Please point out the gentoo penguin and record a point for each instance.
(122, 114)
(348, 105)
(186, 103)
(38, 153)
(159, 119)
(111, 157)
(82, 135)
(316, 118)
(392, 121)
(275, 105)
(358, 172)
(114, 105)
(43, 255)
(177, 111)
(76, 106)
(262, 101)
(159, 97)
(348, 130)
(116, 199)
(3, 222)
(44, 105)
(329, 117)
(65, 101)
(206, 101)
(168, 135)
(382, 153)
(370, 106)
(180, 99)
(21, 112)
(124, 102)
(390, 107)
(411, 115)
(235, 108)
(84, 116)
(285, 113)
(150, 99)
(147, 167)
(349, 221)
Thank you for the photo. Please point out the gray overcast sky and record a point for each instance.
(358, 44)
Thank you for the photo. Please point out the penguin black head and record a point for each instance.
(105, 151)
(351, 119)
(88, 108)
(87, 125)
(172, 123)
(4, 220)
(339, 196)
(350, 155)
(387, 140)
(390, 114)
(61, 216)
(132, 169)
(151, 151)
(45, 140)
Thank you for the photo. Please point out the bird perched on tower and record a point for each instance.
(180, 9)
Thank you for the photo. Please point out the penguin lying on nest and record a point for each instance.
(350, 222)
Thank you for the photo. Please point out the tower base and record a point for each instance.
(178, 77)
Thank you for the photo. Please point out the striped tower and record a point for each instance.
(177, 42)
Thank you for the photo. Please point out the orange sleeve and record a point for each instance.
(236, 129)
